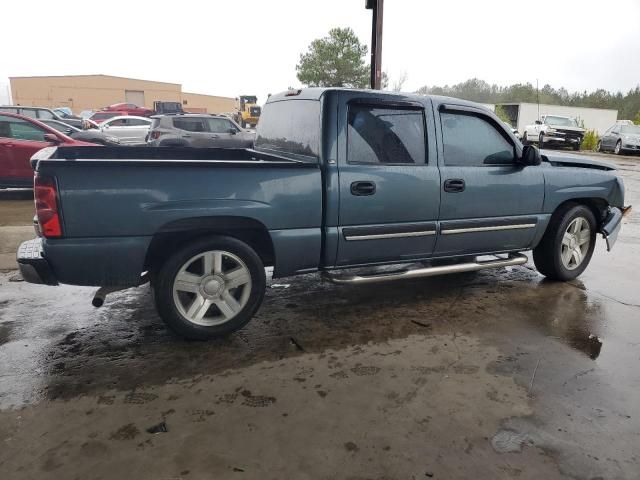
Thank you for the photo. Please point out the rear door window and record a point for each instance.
(190, 124)
(45, 114)
(381, 135)
(20, 130)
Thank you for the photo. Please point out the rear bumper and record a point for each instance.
(34, 268)
(612, 224)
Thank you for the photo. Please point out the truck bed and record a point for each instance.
(116, 201)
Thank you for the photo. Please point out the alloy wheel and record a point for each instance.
(575, 243)
(212, 287)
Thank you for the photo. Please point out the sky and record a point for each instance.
(244, 47)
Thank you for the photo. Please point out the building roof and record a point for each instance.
(94, 75)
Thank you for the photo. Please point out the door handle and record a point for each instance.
(186, 135)
(363, 188)
(215, 136)
(454, 185)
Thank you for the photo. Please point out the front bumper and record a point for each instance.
(34, 268)
(611, 225)
(562, 140)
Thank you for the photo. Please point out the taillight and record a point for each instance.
(155, 135)
(45, 194)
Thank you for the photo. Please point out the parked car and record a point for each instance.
(130, 109)
(620, 138)
(100, 116)
(554, 130)
(338, 178)
(41, 113)
(92, 136)
(198, 130)
(20, 138)
(129, 129)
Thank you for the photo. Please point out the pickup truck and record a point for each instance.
(338, 181)
(554, 130)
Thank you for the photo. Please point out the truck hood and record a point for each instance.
(577, 161)
(567, 129)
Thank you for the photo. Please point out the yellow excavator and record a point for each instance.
(248, 112)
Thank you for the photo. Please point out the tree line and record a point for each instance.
(339, 60)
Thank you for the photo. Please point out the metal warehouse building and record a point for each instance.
(523, 114)
(92, 92)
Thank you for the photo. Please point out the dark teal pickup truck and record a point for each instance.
(337, 179)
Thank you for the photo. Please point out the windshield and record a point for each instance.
(634, 129)
(561, 121)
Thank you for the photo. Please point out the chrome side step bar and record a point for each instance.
(511, 260)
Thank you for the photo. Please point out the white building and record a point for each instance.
(523, 114)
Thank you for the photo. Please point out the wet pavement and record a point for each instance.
(497, 374)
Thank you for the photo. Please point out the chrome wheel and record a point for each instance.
(211, 288)
(575, 243)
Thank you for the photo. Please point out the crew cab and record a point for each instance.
(554, 130)
(337, 179)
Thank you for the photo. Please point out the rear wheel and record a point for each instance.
(210, 288)
(567, 246)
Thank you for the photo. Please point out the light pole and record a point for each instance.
(376, 42)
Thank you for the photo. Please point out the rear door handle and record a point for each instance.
(454, 185)
(363, 188)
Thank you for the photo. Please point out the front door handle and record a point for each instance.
(363, 188)
(454, 185)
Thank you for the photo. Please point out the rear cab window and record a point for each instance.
(290, 127)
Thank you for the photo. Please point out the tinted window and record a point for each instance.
(290, 126)
(9, 109)
(385, 135)
(190, 124)
(220, 125)
(471, 141)
(45, 114)
(61, 127)
(136, 122)
(28, 112)
(20, 129)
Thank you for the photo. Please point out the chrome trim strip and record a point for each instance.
(488, 229)
(377, 236)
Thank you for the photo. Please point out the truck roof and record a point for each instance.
(315, 93)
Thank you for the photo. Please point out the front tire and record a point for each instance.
(567, 245)
(618, 149)
(210, 288)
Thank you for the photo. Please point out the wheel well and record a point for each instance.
(174, 235)
(598, 207)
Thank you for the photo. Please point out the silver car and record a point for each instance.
(129, 129)
(198, 130)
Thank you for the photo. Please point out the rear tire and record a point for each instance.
(567, 245)
(210, 288)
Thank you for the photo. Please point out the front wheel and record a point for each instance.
(618, 149)
(567, 245)
(210, 288)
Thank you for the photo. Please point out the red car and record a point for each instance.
(20, 138)
(129, 109)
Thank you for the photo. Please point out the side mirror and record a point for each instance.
(232, 131)
(538, 122)
(68, 131)
(530, 156)
(51, 138)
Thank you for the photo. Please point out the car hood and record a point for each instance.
(577, 161)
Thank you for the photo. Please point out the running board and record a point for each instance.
(511, 260)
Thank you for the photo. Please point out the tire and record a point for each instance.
(191, 292)
(576, 147)
(618, 148)
(555, 256)
(541, 141)
(599, 146)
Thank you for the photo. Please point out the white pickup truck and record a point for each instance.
(554, 130)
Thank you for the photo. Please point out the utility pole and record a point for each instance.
(376, 42)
